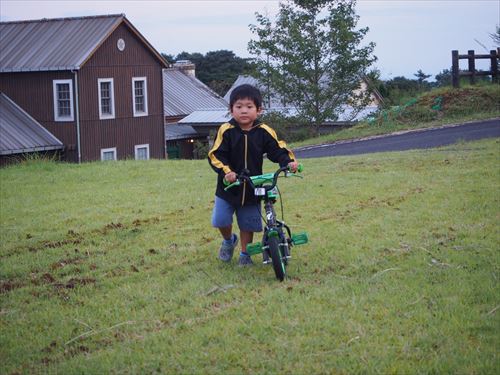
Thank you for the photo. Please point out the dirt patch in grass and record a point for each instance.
(74, 282)
(8, 285)
(66, 261)
(75, 238)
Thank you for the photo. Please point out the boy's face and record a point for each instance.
(245, 112)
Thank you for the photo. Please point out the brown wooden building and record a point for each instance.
(93, 82)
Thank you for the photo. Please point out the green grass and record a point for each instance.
(112, 268)
(434, 108)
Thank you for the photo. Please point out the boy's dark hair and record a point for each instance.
(246, 92)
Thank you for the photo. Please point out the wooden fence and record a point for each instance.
(472, 73)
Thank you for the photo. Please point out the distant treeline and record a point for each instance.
(219, 69)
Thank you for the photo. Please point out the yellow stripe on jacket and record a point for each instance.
(281, 144)
(218, 140)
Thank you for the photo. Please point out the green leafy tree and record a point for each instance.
(443, 78)
(217, 69)
(421, 76)
(399, 90)
(311, 57)
(169, 58)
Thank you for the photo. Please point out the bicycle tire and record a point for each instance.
(278, 265)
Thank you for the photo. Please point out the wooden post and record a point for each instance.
(494, 65)
(454, 69)
(472, 66)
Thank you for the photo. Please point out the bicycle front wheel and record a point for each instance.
(276, 256)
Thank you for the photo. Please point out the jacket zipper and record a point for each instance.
(246, 167)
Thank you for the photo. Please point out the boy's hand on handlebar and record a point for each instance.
(293, 166)
(230, 177)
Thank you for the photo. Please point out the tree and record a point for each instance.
(421, 76)
(168, 58)
(311, 57)
(399, 90)
(443, 78)
(220, 70)
(217, 69)
(496, 36)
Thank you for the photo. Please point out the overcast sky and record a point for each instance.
(409, 35)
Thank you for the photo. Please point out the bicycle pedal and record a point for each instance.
(254, 248)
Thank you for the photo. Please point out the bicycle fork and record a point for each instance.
(274, 228)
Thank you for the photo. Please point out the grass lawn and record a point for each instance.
(112, 268)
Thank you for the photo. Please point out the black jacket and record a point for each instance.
(236, 149)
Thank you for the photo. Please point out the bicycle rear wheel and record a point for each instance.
(278, 264)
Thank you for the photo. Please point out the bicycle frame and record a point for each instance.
(277, 238)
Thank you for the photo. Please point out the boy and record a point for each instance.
(240, 145)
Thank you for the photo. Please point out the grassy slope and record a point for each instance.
(468, 103)
(112, 267)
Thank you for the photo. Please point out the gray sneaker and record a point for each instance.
(245, 260)
(226, 251)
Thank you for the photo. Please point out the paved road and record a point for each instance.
(429, 138)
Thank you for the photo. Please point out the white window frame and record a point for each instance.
(137, 147)
(145, 112)
(71, 116)
(112, 149)
(106, 116)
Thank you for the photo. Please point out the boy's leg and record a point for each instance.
(227, 232)
(222, 219)
(246, 238)
(249, 221)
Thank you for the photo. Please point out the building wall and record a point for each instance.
(124, 131)
(33, 92)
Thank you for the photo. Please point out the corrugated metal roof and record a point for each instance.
(177, 131)
(242, 80)
(272, 101)
(58, 43)
(20, 133)
(207, 117)
(52, 44)
(346, 113)
(183, 94)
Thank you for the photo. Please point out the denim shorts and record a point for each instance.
(249, 217)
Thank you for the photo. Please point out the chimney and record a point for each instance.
(186, 67)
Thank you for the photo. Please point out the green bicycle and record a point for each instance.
(277, 239)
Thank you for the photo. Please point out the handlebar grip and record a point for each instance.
(300, 168)
(225, 182)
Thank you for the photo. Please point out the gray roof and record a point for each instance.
(215, 117)
(20, 133)
(243, 80)
(347, 113)
(183, 94)
(175, 131)
(274, 99)
(56, 44)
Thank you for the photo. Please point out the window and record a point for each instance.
(140, 96)
(142, 152)
(63, 100)
(108, 154)
(106, 98)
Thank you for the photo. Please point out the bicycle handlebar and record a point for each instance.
(262, 179)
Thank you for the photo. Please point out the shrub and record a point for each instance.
(291, 129)
(200, 149)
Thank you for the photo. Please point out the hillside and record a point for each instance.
(434, 108)
(112, 268)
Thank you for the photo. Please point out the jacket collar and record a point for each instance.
(256, 123)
